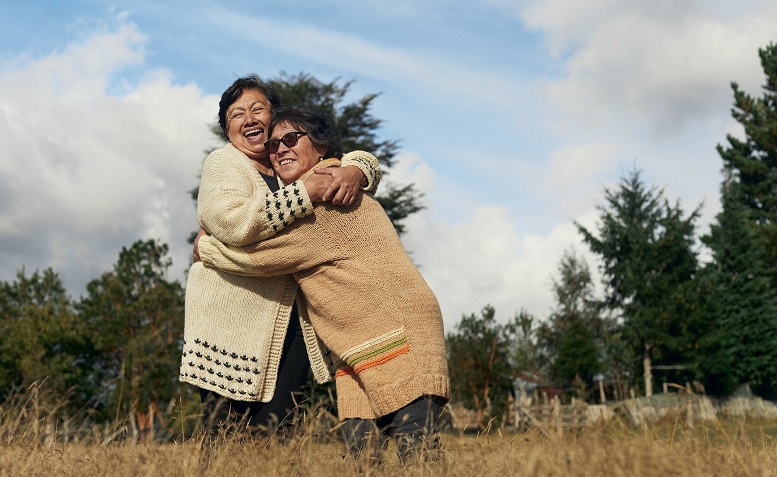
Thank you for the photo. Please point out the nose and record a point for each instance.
(252, 117)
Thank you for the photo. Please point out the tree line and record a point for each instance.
(664, 314)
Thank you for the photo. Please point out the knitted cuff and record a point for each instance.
(368, 164)
(285, 205)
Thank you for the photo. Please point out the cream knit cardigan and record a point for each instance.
(386, 335)
(235, 325)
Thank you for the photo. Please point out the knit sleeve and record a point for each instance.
(233, 208)
(369, 166)
(297, 249)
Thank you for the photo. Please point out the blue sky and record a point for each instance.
(512, 116)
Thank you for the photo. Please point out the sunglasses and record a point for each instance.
(289, 140)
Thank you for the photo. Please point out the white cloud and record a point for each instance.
(574, 174)
(89, 171)
(76, 73)
(647, 84)
(659, 64)
(410, 168)
(484, 258)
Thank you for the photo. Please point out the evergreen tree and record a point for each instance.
(479, 363)
(740, 283)
(134, 317)
(752, 162)
(577, 360)
(40, 338)
(740, 345)
(572, 338)
(525, 355)
(648, 263)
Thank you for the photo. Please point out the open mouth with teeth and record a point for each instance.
(285, 162)
(253, 133)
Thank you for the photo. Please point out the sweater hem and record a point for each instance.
(390, 398)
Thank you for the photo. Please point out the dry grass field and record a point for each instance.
(730, 446)
(597, 453)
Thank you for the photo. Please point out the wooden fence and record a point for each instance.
(552, 418)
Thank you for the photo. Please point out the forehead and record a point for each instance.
(248, 98)
(282, 128)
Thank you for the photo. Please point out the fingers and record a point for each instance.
(350, 198)
(323, 170)
(317, 186)
(340, 188)
(331, 192)
(340, 194)
(196, 248)
(196, 251)
(344, 196)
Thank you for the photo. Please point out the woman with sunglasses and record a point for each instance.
(387, 338)
(244, 344)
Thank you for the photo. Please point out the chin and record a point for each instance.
(288, 176)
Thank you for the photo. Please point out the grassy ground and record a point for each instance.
(722, 449)
(741, 442)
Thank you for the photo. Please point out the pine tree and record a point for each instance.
(740, 345)
(40, 337)
(740, 283)
(134, 317)
(752, 162)
(572, 338)
(648, 263)
(479, 363)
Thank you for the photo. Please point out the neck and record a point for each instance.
(264, 166)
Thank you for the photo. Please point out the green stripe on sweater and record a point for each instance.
(376, 352)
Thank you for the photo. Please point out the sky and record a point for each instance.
(513, 118)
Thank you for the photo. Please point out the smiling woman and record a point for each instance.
(245, 345)
(386, 338)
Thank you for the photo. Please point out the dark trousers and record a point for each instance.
(413, 427)
(263, 418)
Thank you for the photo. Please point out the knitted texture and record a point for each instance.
(235, 326)
(235, 205)
(387, 335)
(368, 165)
(373, 352)
(234, 332)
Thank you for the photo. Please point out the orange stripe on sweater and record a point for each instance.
(370, 364)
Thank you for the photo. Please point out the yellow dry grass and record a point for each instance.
(31, 445)
(608, 451)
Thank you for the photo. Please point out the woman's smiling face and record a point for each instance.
(290, 163)
(247, 120)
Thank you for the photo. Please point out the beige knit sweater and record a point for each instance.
(387, 334)
(235, 325)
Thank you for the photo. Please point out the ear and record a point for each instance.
(321, 150)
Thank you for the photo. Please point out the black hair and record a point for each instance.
(320, 128)
(249, 82)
